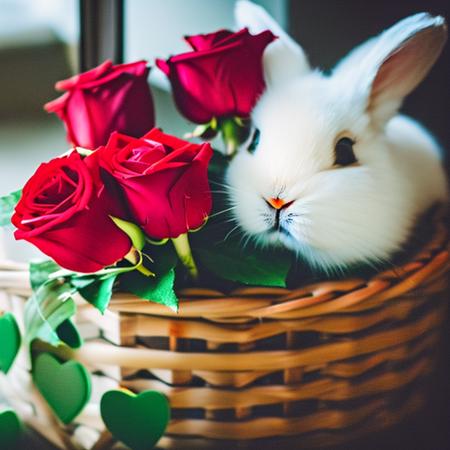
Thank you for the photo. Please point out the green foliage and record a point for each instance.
(7, 205)
(256, 267)
(159, 289)
(40, 271)
(218, 246)
(96, 290)
(47, 308)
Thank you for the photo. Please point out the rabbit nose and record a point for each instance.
(278, 203)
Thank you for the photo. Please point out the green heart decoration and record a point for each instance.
(65, 386)
(10, 429)
(10, 341)
(138, 421)
(69, 334)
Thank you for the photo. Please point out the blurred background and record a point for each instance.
(40, 44)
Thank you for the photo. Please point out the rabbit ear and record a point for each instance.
(390, 66)
(284, 59)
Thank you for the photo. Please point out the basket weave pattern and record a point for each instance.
(270, 362)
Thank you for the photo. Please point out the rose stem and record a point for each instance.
(230, 136)
(134, 256)
(141, 268)
(183, 249)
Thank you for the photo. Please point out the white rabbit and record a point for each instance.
(337, 175)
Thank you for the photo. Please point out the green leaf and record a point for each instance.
(96, 290)
(158, 289)
(81, 282)
(48, 307)
(256, 267)
(7, 205)
(40, 271)
(107, 271)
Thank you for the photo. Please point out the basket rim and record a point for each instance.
(250, 303)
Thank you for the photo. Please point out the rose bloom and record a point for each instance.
(105, 99)
(64, 211)
(164, 180)
(221, 77)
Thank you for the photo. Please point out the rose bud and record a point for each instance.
(105, 99)
(221, 78)
(65, 211)
(164, 180)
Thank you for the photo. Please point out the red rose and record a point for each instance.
(64, 211)
(164, 180)
(222, 77)
(105, 99)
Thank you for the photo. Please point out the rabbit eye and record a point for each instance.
(343, 152)
(254, 142)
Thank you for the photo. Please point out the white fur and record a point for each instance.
(351, 214)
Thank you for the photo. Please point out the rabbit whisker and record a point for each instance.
(222, 212)
(230, 232)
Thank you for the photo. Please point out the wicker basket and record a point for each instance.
(312, 366)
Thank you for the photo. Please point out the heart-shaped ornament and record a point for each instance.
(10, 341)
(10, 429)
(69, 334)
(65, 386)
(138, 421)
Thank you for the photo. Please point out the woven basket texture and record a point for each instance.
(312, 366)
